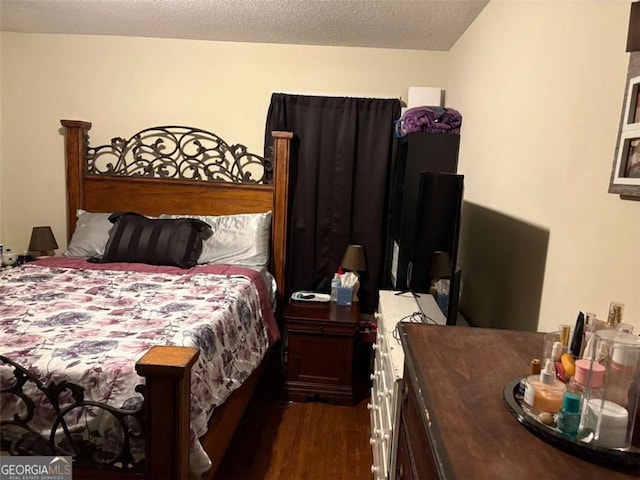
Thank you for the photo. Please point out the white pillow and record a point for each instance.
(90, 236)
(241, 239)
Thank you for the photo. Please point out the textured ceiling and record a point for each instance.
(402, 24)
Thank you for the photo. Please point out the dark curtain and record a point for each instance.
(343, 149)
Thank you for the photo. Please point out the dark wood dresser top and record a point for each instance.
(459, 374)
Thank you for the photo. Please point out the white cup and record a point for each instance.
(9, 259)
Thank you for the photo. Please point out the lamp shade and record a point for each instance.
(354, 259)
(42, 240)
(440, 266)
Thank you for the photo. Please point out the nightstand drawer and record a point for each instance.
(320, 328)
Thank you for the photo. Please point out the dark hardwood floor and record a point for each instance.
(283, 440)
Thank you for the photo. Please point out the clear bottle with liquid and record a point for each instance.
(335, 284)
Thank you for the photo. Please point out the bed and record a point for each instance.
(185, 177)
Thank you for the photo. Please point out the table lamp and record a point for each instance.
(354, 260)
(42, 241)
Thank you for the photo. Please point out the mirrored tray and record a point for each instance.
(627, 460)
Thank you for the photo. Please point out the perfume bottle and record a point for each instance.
(616, 309)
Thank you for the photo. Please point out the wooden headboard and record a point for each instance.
(151, 191)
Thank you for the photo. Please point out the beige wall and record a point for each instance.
(125, 84)
(540, 85)
(1, 143)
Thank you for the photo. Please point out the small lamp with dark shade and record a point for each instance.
(440, 266)
(354, 259)
(42, 241)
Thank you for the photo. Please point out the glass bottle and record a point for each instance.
(587, 375)
(590, 327)
(335, 284)
(616, 309)
(569, 415)
(543, 392)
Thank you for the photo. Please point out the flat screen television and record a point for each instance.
(436, 240)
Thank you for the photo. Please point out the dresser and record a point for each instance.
(386, 378)
(453, 421)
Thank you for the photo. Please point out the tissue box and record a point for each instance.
(345, 296)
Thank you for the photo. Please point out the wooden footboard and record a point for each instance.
(168, 371)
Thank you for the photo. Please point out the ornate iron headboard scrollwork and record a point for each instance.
(179, 152)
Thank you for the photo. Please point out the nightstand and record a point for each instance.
(320, 352)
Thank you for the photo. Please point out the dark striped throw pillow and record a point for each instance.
(135, 238)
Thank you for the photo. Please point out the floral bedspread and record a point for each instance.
(67, 319)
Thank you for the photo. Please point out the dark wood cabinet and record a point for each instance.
(321, 339)
(453, 421)
(412, 441)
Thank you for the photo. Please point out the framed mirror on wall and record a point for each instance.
(625, 176)
(625, 173)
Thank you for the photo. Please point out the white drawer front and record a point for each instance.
(388, 371)
(386, 404)
(383, 455)
(374, 439)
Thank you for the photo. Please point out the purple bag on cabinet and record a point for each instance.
(429, 119)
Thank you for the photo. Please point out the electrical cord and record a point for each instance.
(415, 317)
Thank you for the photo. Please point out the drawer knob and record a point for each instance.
(374, 346)
(372, 376)
(374, 469)
(369, 406)
(372, 441)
